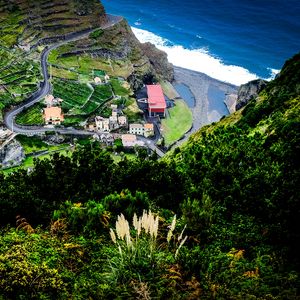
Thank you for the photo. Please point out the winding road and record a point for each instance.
(45, 88)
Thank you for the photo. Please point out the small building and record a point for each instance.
(122, 121)
(129, 140)
(102, 124)
(49, 100)
(106, 78)
(113, 120)
(53, 116)
(136, 129)
(148, 130)
(114, 107)
(156, 101)
(97, 80)
(91, 127)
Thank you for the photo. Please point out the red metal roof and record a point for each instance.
(156, 98)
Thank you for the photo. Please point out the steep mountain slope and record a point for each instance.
(31, 21)
(26, 27)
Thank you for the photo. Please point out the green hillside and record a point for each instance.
(234, 187)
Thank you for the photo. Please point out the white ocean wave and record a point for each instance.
(273, 73)
(197, 59)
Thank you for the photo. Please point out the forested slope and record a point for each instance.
(235, 185)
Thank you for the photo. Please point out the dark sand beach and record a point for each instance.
(208, 98)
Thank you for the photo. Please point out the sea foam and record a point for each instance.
(196, 59)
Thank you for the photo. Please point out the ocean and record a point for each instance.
(231, 40)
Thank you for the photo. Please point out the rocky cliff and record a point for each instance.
(249, 91)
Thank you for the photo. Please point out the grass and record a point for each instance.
(119, 89)
(132, 110)
(63, 73)
(34, 144)
(73, 120)
(169, 90)
(89, 107)
(117, 158)
(178, 123)
(102, 93)
(31, 116)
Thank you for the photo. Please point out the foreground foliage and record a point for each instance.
(235, 187)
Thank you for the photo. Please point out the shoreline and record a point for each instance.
(200, 85)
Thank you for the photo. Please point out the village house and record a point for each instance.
(130, 140)
(108, 139)
(102, 124)
(156, 101)
(148, 130)
(137, 129)
(114, 107)
(122, 121)
(51, 101)
(91, 127)
(113, 120)
(53, 116)
(97, 80)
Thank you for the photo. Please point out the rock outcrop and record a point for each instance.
(12, 154)
(159, 61)
(249, 91)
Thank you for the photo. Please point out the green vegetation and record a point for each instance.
(234, 185)
(119, 89)
(31, 116)
(73, 120)
(19, 78)
(84, 228)
(74, 94)
(96, 34)
(177, 123)
(32, 144)
(132, 111)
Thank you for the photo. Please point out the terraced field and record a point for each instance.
(81, 98)
(31, 116)
(28, 22)
(19, 77)
(73, 93)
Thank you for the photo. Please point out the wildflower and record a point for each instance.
(113, 236)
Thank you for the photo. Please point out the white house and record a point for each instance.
(136, 129)
(102, 124)
(122, 121)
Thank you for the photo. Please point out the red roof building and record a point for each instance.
(156, 100)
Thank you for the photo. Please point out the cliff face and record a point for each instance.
(159, 61)
(249, 91)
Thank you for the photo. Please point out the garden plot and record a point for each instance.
(74, 94)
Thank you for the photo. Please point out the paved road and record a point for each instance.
(45, 87)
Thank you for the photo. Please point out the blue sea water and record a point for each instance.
(231, 40)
